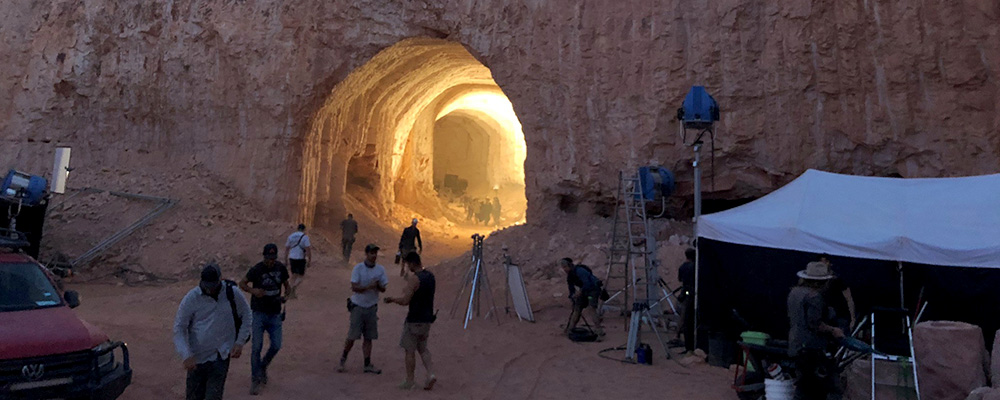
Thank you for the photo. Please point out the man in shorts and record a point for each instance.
(419, 296)
(297, 257)
(367, 280)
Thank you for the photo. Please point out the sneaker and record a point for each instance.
(431, 380)
(254, 388)
(406, 385)
(342, 368)
(370, 369)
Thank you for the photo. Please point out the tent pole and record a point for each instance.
(902, 299)
(697, 247)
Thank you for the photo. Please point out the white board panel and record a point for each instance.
(518, 293)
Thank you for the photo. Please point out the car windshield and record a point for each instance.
(25, 287)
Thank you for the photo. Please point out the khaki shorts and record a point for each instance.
(415, 336)
(364, 322)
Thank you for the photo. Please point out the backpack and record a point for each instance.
(231, 295)
(600, 284)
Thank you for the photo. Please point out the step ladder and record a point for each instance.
(617, 278)
(910, 360)
(632, 277)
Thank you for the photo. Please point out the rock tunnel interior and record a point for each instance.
(421, 130)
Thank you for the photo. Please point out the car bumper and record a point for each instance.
(106, 387)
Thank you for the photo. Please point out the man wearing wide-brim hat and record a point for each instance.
(809, 334)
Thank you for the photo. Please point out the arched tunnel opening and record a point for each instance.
(420, 130)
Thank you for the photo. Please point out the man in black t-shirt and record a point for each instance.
(409, 242)
(267, 278)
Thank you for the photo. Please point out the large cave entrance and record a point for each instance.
(421, 130)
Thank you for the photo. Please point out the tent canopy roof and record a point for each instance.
(936, 221)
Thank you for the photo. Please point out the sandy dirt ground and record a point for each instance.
(132, 292)
(509, 360)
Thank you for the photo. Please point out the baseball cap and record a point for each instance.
(210, 277)
(271, 251)
(371, 247)
(210, 273)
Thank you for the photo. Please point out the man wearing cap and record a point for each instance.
(268, 277)
(206, 334)
(810, 334)
(367, 280)
(410, 242)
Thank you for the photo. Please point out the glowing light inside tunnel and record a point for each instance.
(373, 139)
(494, 105)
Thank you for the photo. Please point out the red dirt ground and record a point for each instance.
(515, 360)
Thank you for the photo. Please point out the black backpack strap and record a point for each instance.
(231, 295)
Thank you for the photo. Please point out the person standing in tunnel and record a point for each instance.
(470, 208)
(496, 210)
(409, 242)
(485, 211)
(348, 229)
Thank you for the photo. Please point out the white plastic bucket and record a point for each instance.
(779, 390)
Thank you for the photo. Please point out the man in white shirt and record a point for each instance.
(367, 280)
(297, 257)
(206, 335)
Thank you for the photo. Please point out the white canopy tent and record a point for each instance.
(935, 221)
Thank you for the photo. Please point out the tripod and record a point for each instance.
(479, 279)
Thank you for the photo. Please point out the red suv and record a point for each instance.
(45, 350)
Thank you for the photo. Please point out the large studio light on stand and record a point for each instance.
(697, 116)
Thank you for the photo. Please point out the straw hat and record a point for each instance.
(816, 270)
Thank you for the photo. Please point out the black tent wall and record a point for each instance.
(755, 282)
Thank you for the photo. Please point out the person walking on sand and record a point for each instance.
(409, 242)
(211, 327)
(268, 277)
(367, 280)
(418, 295)
(348, 230)
(298, 256)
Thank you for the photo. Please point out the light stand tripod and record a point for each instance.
(480, 281)
(699, 112)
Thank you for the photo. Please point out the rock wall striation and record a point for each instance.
(860, 86)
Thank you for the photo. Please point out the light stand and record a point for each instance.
(698, 112)
(479, 279)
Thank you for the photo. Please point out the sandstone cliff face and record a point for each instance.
(866, 86)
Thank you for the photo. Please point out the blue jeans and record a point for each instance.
(270, 323)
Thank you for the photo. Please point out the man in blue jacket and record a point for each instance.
(584, 299)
